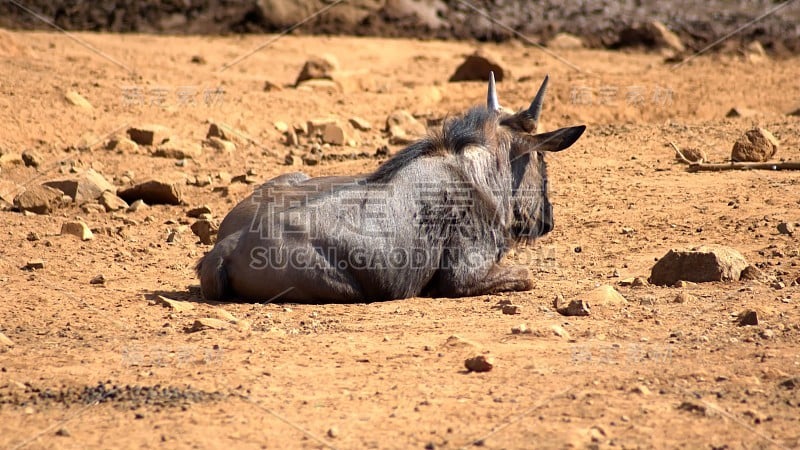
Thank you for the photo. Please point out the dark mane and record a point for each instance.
(456, 134)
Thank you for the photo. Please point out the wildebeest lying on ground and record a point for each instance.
(433, 220)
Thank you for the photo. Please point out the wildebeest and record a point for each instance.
(434, 220)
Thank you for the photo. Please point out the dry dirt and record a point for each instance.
(648, 374)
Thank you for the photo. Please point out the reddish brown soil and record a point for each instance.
(651, 373)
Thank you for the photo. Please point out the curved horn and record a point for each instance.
(536, 105)
(491, 98)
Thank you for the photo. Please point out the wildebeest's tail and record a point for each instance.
(211, 270)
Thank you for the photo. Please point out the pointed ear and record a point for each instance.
(554, 141)
(527, 119)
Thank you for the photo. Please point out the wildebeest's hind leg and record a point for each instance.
(498, 279)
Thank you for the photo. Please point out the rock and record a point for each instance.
(521, 329)
(751, 273)
(778, 285)
(794, 112)
(98, 279)
(206, 230)
(87, 186)
(220, 144)
(559, 331)
(175, 305)
(8, 190)
(641, 390)
(701, 264)
(456, 341)
(754, 52)
(476, 67)
(663, 37)
(175, 148)
(603, 296)
(111, 202)
(78, 100)
(479, 363)
(565, 41)
(422, 13)
(328, 86)
(639, 282)
(756, 145)
(5, 341)
(403, 128)
(291, 160)
(32, 159)
(39, 199)
(122, 145)
(685, 297)
(137, 206)
(748, 318)
(360, 124)
(197, 212)
(329, 130)
(154, 192)
(92, 208)
(34, 264)
(10, 159)
(318, 67)
(694, 155)
(63, 432)
(333, 432)
(269, 86)
(512, 309)
(150, 134)
(281, 126)
(738, 111)
(786, 228)
(571, 308)
(78, 229)
(207, 323)
(290, 138)
(218, 131)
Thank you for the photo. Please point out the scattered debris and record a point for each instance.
(78, 229)
(477, 66)
(479, 363)
(756, 145)
(701, 264)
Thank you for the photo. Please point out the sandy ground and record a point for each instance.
(648, 374)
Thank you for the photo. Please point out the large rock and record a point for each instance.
(329, 130)
(476, 67)
(39, 199)
(85, 187)
(653, 34)
(318, 68)
(176, 148)
(756, 145)
(565, 41)
(425, 13)
(701, 264)
(155, 192)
